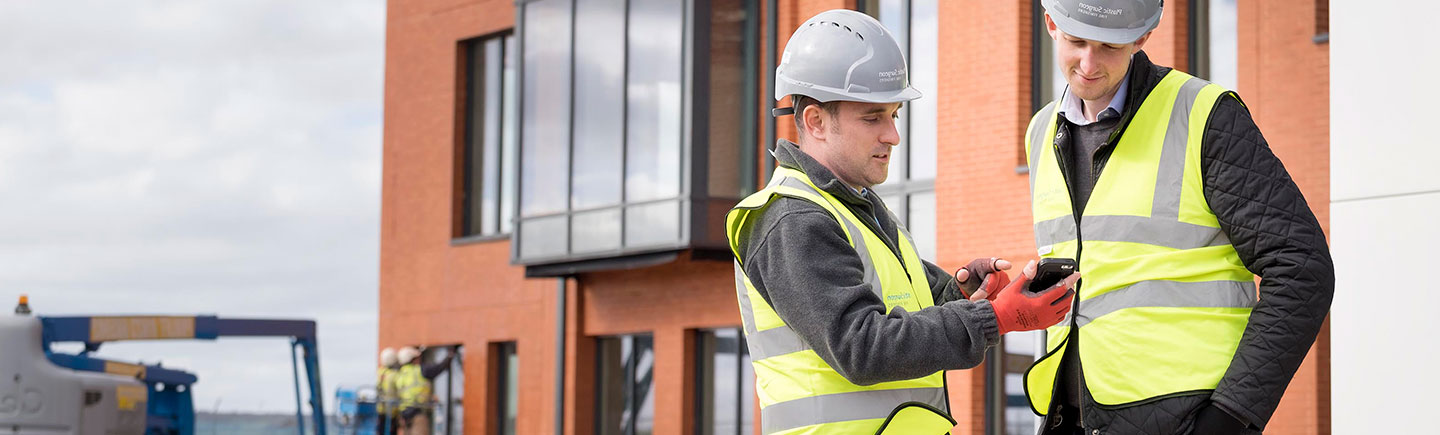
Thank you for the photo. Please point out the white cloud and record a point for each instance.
(198, 158)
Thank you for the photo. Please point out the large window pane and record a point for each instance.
(544, 237)
(599, 103)
(925, 76)
(485, 131)
(922, 223)
(490, 155)
(448, 388)
(726, 384)
(596, 231)
(732, 99)
(652, 224)
(1222, 51)
(895, 16)
(654, 95)
(545, 152)
(625, 391)
(507, 388)
(509, 141)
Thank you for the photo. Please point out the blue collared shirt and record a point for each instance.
(1074, 112)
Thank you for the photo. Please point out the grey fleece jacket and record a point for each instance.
(798, 258)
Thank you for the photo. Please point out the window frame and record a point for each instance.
(505, 356)
(703, 386)
(630, 362)
(692, 210)
(471, 53)
(899, 189)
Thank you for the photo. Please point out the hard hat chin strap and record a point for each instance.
(782, 111)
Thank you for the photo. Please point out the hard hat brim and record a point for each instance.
(825, 94)
(1109, 36)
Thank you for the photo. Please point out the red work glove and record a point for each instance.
(992, 278)
(1020, 310)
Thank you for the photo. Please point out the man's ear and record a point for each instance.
(1050, 28)
(815, 120)
(1140, 43)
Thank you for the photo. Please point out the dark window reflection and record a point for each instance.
(507, 390)
(725, 388)
(625, 391)
(488, 140)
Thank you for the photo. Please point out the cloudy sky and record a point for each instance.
(198, 157)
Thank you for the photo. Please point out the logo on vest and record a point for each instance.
(897, 299)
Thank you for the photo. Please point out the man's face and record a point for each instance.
(1093, 69)
(856, 141)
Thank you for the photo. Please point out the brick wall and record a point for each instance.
(433, 292)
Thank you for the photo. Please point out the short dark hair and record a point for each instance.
(800, 102)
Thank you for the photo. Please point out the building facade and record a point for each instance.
(556, 174)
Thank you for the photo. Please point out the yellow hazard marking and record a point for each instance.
(130, 397)
(118, 368)
(141, 328)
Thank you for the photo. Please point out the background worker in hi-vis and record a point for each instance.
(849, 330)
(1162, 187)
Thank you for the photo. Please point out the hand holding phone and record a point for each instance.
(1051, 271)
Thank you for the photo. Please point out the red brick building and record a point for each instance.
(556, 173)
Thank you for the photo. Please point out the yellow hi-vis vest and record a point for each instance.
(1165, 297)
(799, 393)
(386, 396)
(412, 387)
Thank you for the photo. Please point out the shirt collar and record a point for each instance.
(1072, 110)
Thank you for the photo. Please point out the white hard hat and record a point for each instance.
(1109, 21)
(408, 354)
(388, 357)
(844, 55)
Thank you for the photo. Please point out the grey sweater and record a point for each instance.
(798, 258)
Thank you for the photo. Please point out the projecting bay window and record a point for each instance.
(638, 151)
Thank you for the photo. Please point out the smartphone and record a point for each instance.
(1051, 271)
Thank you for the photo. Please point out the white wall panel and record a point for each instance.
(1383, 98)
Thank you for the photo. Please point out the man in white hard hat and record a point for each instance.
(1163, 188)
(848, 329)
(414, 385)
(388, 402)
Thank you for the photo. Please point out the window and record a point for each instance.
(909, 190)
(725, 384)
(449, 390)
(487, 168)
(625, 391)
(1214, 51)
(506, 387)
(1047, 83)
(610, 153)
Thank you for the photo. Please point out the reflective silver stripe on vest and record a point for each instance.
(1134, 229)
(783, 340)
(1037, 141)
(767, 343)
(834, 408)
(1170, 176)
(1171, 294)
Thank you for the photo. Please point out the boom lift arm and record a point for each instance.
(170, 405)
